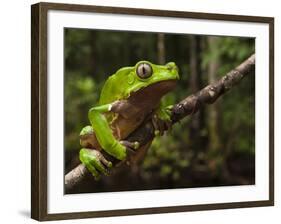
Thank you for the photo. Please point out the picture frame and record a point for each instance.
(44, 184)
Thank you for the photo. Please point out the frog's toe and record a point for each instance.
(93, 170)
(130, 145)
(105, 162)
(99, 166)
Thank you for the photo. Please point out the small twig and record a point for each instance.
(189, 105)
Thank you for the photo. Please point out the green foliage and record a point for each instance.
(80, 94)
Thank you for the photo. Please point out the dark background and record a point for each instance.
(213, 147)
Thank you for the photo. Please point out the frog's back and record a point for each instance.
(115, 86)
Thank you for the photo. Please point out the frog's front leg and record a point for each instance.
(161, 119)
(104, 133)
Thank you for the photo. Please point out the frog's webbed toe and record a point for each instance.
(95, 162)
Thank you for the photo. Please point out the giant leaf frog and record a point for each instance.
(127, 98)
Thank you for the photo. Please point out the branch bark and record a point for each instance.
(187, 106)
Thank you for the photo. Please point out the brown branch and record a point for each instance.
(187, 106)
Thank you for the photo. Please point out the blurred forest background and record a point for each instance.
(214, 147)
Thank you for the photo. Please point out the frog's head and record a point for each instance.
(159, 78)
(143, 81)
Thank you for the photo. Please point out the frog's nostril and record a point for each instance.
(171, 64)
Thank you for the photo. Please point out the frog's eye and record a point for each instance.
(144, 70)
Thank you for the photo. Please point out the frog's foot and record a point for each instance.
(131, 149)
(160, 125)
(130, 146)
(95, 162)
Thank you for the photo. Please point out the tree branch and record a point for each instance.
(187, 106)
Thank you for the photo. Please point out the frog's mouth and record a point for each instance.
(150, 96)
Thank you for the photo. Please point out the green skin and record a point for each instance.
(117, 87)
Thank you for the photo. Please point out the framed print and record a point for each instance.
(138, 111)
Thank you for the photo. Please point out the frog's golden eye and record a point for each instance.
(144, 70)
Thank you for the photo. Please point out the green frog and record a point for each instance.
(127, 98)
